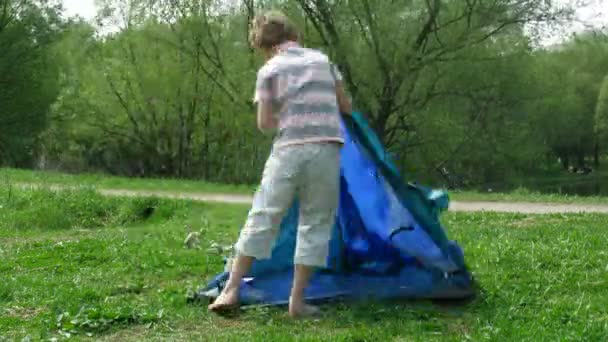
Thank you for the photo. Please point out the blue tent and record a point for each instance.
(387, 242)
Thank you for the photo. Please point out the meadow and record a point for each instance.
(172, 185)
(82, 266)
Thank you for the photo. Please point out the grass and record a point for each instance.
(100, 181)
(111, 269)
(525, 195)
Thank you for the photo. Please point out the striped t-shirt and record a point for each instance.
(301, 84)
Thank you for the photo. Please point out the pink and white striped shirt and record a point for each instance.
(301, 84)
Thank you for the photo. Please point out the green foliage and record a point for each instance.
(566, 115)
(169, 101)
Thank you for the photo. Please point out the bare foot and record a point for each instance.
(226, 302)
(299, 309)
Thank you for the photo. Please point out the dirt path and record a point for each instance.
(505, 207)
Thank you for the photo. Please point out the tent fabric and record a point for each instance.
(388, 241)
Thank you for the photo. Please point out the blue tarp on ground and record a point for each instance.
(388, 241)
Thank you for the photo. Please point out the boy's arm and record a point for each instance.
(264, 97)
(344, 103)
(265, 117)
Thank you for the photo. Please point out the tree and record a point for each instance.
(448, 85)
(28, 85)
(398, 59)
(393, 65)
(168, 95)
(601, 117)
(572, 78)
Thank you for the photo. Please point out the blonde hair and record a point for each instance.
(271, 29)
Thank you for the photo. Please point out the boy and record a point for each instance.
(299, 93)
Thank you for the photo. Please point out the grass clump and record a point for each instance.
(96, 320)
(47, 209)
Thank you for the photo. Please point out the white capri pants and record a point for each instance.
(310, 171)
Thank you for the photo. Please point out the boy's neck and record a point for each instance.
(280, 48)
(286, 45)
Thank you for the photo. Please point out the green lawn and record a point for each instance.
(102, 181)
(192, 186)
(79, 264)
(524, 195)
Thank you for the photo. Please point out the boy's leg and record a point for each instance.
(272, 199)
(319, 196)
(230, 294)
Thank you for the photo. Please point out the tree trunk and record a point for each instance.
(580, 159)
(565, 162)
(205, 145)
(596, 155)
